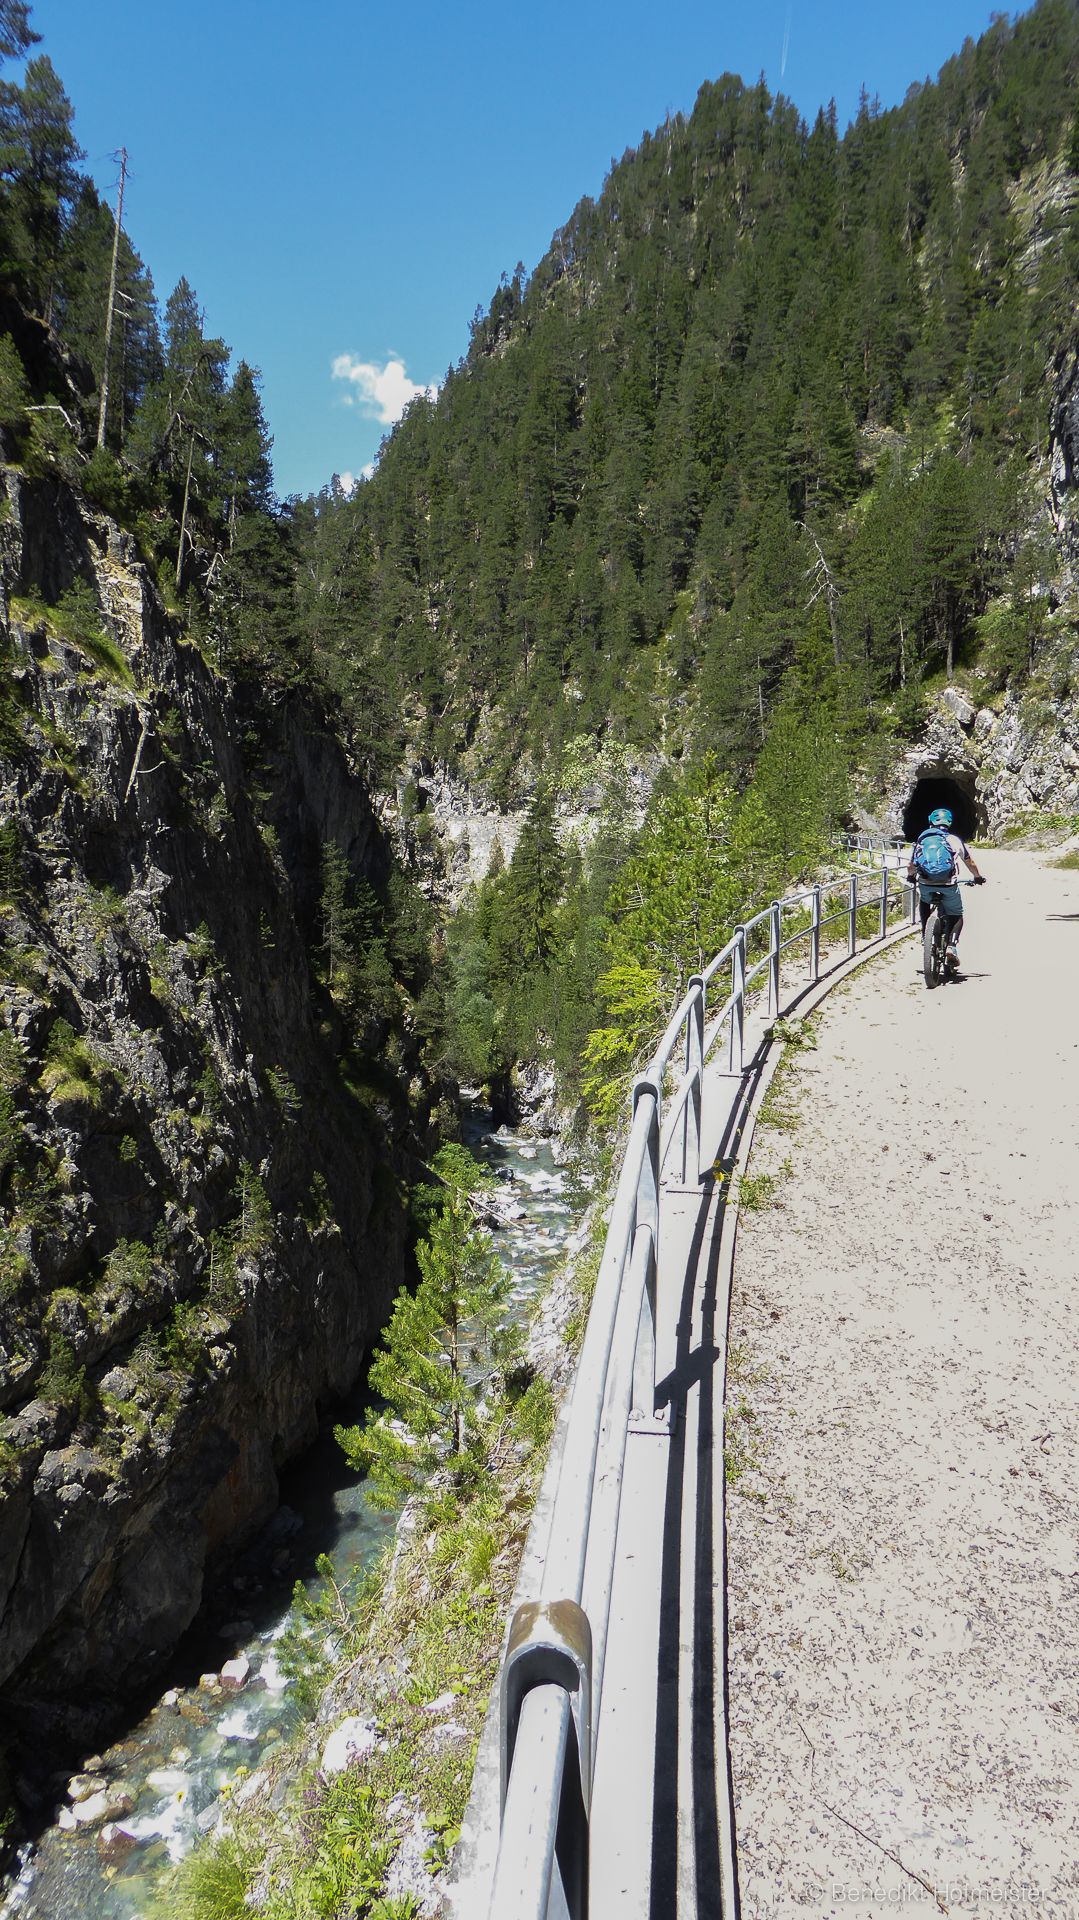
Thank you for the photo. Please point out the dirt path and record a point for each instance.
(904, 1538)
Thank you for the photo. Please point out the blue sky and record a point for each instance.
(343, 186)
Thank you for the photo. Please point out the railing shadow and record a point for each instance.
(558, 1639)
(698, 1365)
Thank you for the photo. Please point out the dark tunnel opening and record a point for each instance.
(944, 790)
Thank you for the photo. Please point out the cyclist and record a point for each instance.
(935, 873)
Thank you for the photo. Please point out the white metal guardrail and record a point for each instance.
(870, 849)
(552, 1676)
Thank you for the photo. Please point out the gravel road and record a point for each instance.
(903, 1418)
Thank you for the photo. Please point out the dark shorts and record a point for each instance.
(950, 897)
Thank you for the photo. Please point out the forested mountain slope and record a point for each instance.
(210, 1105)
(759, 454)
(212, 1101)
(778, 400)
(779, 435)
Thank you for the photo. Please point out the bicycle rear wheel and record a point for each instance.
(932, 953)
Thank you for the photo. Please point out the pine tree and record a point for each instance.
(39, 158)
(524, 921)
(80, 308)
(242, 451)
(177, 424)
(442, 1355)
(16, 33)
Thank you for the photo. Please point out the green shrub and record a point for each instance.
(105, 483)
(14, 1265)
(73, 1071)
(214, 1883)
(12, 874)
(183, 1342)
(910, 712)
(10, 1457)
(11, 1131)
(77, 617)
(25, 967)
(62, 1379)
(254, 1229)
(12, 740)
(131, 1264)
(755, 1192)
(355, 1850)
(326, 1626)
(51, 445)
(105, 910)
(317, 1209)
(208, 1088)
(200, 945)
(533, 1415)
(284, 1092)
(14, 387)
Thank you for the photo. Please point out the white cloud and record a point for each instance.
(382, 392)
(346, 482)
(367, 471)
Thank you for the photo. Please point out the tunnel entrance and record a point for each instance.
(954, 790)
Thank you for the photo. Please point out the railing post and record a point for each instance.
(852, 915)
(775, 926)
(691, 1112)
(646, 1220)
(883, 896)
(738, 1010)
(814, 939)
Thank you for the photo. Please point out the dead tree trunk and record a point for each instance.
(103, 410)
(183, 515)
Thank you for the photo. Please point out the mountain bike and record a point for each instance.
(935, 935)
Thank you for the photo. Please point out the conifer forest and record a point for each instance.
(747, 465)
(766, 457)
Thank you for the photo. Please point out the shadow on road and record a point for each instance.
(701, 1342)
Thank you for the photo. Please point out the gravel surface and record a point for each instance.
(902, 1415)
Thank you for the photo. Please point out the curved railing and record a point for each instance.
(870, 849)
(552, 1676)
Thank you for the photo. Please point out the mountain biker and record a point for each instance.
(930, 867)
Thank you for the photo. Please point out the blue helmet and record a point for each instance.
(941, 817)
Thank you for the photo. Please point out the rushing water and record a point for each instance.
(199, 1745)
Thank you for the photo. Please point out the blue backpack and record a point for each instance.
(932, 855)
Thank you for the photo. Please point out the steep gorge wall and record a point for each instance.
(1015, 752)
(203, 1216)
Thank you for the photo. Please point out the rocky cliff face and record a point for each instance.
(202, 1224)
(1010, 766)
(1015, 754)
(449, 834)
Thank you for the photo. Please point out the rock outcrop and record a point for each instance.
(203, 1226)
(1012, 766)
(450, 834)
(1014, 754)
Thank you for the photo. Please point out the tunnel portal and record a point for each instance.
(956, 791)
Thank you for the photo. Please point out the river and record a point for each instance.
(169, 1773)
